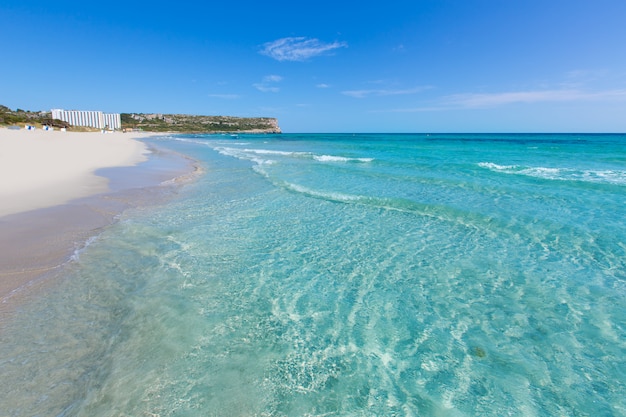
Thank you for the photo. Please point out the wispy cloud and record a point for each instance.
(492, 100)
(268, 84)
(272, 78)
(586, 75)
(298, 48)
(266, 88)
(225, 96)
(500, 99)
(322, 85)
(383, 92)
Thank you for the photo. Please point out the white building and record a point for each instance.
(95, 119)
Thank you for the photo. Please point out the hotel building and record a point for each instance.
(95, 119)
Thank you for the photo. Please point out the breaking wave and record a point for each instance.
(253, 155)
(331, 158)
(614, 177)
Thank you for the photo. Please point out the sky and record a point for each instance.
(326, 66)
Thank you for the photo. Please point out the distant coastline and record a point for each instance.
(150, 122)
(185, 123)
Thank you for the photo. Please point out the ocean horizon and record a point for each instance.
(343, 275)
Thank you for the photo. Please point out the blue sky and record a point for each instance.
(324, 66)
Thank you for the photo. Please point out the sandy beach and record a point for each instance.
(46, 168)
(59, 188)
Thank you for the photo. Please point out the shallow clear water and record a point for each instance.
(442, 275)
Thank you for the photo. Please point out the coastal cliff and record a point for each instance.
(185, 123)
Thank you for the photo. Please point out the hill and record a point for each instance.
(180, 123)
(185, 123)
(9, 117)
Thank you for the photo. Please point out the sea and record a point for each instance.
(345, 275)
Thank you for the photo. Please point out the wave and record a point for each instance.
(614, 177)
(307, 155)
(252, 155)
(331, 158)
(325, 195)
(279, 153)
(440, 212)
(245, 155)
(183, 139)
(385, 203)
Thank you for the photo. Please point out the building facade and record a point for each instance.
(95, 119)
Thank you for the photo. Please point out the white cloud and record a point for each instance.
(267, 85)
(265, 88)
(585, 75)
(298, 48)
(383, 92)
(491, 100)
(272, 78)
(225, 96)
(322, 85)
(499, 99)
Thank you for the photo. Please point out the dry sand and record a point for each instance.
(46, 168)
(52, 202)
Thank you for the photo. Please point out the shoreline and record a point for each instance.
(45, 168)
(35, 244)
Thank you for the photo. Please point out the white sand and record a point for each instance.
(46, 168)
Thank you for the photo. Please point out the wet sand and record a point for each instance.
(35, 244)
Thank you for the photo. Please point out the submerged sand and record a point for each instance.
(59, 188)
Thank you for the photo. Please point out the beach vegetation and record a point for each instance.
(180, 123)
(20, 117)
(185, 123)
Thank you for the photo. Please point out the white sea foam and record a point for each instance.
(331, 158)
(306, 155)
(184, 140)
(79, 250)
(244, 155)
(253, 155)
(271, 152)
(234, 152)
(260, 161)
(615, 177)
(334, 196)
(496, 167)
(230, 143)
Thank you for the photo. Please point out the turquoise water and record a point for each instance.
(346, 275)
